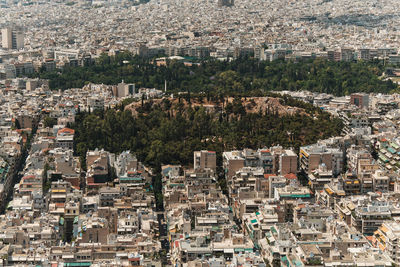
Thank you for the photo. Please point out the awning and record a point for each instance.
(394, 145)
(329, 191)
(67, 256)
(384, 228)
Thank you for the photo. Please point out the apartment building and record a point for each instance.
(205, 160)
(12, 39)
(311, 157)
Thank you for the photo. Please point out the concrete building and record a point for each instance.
(205, 159)
(360, 100)
(288, 162)
(65, 138)
(312, 156)
(387, 239)
(222, 3)
(124, 90)
(274, 160)
(12, 39)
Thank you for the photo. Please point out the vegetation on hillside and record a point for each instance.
(243, 75)
(169, 133)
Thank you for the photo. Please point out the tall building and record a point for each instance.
(288, 162)
(311, 157)
(364, 54)
(274, 160)
(387, 239)
(12, 39)
(205, 159)
(124, 89)
(360, 100)
(347, 54)
(222, 3)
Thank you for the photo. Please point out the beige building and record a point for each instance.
(12, 39)
(124, 89)
(288, 162)
(312, 156)
(233, 161)
(274, 160)
(205, 159)
(386, 238)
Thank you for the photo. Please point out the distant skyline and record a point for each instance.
(307, 24)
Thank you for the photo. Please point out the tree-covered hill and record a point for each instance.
(168, 132)
(237, 76)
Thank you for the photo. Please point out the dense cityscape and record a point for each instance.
(200, 133)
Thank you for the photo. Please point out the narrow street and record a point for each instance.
(163, 231)
(17, 168)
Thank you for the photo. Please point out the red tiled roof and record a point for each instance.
(291, 176)
(66, 130)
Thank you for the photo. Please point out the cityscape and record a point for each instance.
(202, 133)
